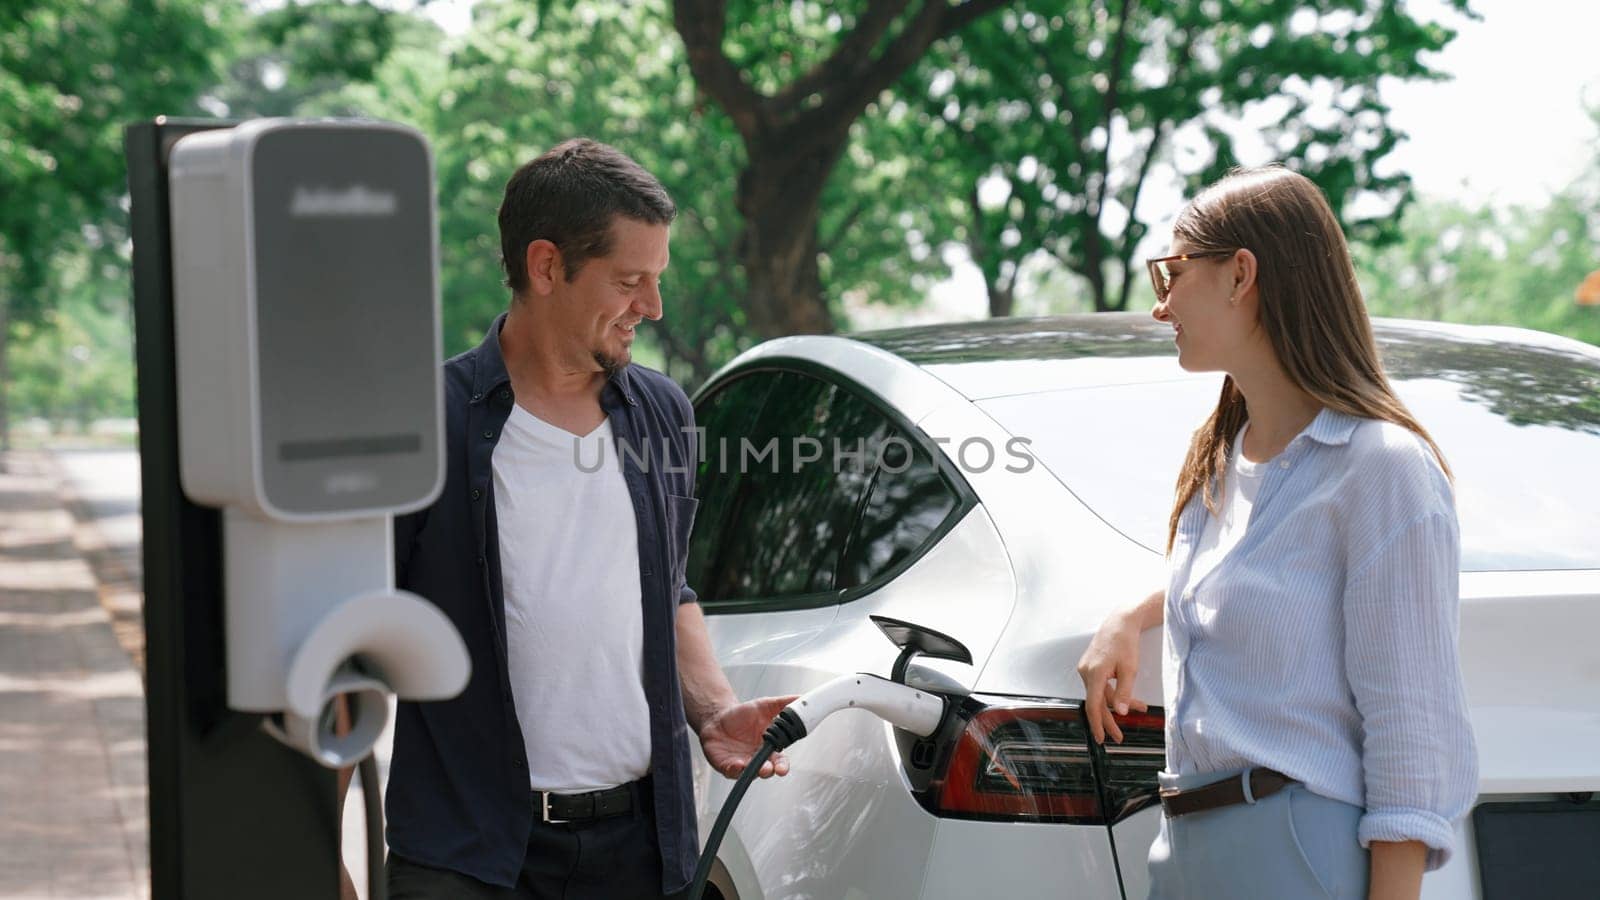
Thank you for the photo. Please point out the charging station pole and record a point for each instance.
(233, 812)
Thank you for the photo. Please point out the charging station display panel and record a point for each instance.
(346, 319)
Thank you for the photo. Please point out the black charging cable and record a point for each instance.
(372, 803)
(784, 730)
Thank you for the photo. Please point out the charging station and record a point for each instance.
(287, 329)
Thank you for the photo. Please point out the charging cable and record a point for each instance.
(917, 711)
(372, 803)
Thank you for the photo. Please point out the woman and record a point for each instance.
(1317, 734)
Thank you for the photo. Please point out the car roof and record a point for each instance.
(1001, 357)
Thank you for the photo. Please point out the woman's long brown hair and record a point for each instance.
(1310, 307)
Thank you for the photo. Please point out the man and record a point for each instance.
(562, 771)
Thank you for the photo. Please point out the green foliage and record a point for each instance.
(72, 72)
(1520, 266)
(75, 362)
(615, 71)
(1517, 266)
(1073, 110)
(773, 44)
(302, 59)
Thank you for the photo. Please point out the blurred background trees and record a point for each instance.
(1519, 265)
(71, 71)
(834, 162)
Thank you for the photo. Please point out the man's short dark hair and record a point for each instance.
(568, 196)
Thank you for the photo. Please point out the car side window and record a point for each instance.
(806, 489)
(724, 417)
(908, 501)
(793, 497)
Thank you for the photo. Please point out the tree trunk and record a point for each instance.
(1002, 299)
(1097, 289)
(1002, 290)
(795, 136)
(779, 197)
(1126, 290)
(1095, 270)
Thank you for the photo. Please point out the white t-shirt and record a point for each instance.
(569, 562)
(1226, 527)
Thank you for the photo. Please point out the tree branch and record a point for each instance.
(680, 348)
(1180, 67)
(1112, 96)
(851, 52)
(960, 16)
(849, 92)
(1074, 121)
(719, 248)
(825, 245)
(701, 24)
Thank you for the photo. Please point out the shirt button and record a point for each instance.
(480, 560)
(476, 494)
(505, 394)
(488, 433)
(476, 397)
(1284, 464)
(520, 763)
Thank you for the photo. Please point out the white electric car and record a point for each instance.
(1007, 483)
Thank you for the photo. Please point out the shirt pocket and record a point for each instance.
(680, 524)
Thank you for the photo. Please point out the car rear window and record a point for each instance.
(1523, 441)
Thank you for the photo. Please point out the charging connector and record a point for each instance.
(916, 711)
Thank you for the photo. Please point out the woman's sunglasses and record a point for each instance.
(1161, 271)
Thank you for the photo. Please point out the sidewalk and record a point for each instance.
(72, 741)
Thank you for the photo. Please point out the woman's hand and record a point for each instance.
(1111, 664)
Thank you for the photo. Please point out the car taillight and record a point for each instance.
(1034, 760)
(1128, 770)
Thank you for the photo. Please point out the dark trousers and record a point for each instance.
(606, 859)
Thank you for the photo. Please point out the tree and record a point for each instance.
(72, 72)
(74, 362)
(526, 77)
(1516, 266)
(793, 100)
(1059, 117)
(303, 58)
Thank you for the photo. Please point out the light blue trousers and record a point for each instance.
(1293, 844)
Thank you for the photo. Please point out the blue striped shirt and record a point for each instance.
(1324, 645)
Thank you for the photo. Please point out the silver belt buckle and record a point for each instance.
(544, 812)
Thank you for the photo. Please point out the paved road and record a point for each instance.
(102, 492)
(72, 767)
(107, 481)
(106, 488)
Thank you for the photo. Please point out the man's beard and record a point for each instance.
(610, 364)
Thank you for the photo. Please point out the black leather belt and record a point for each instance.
(557, 808)
(1261, 783)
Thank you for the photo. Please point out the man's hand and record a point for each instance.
(732, 735)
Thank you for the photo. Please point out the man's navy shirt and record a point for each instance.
(459, 795)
